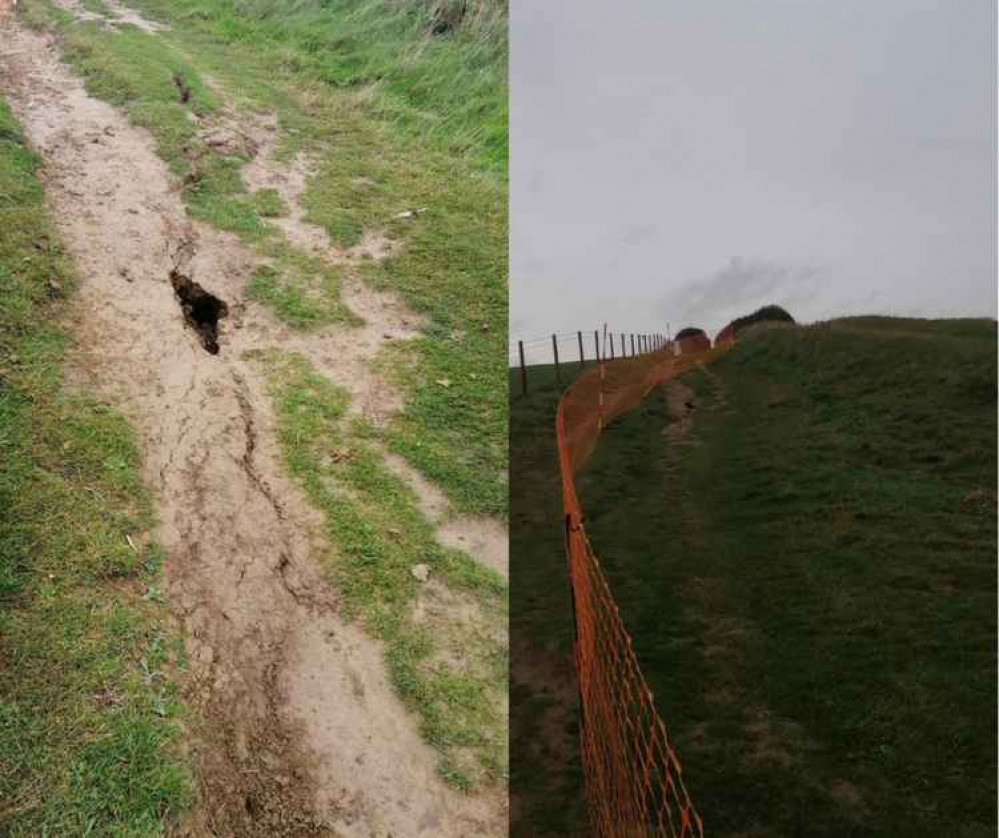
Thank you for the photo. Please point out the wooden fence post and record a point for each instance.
(611, 342)
(558, 378)
(582, 358)
(632, 344)
(596, 344)
(523, 369)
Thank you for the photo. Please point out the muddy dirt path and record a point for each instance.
(301, 733)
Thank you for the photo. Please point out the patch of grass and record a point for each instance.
(450, 666)
(88, 715)
(291, 301)
(398, 119)
(98, 7)
(809, 577)
(269, 204)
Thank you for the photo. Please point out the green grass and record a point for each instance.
(88, 714)
(98, 7)
(810, 581)
(545, 782)
(810, 577)
(398, 119)
(269, 204)
(450, 669)
(449, 91)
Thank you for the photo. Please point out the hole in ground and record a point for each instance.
(202, 310)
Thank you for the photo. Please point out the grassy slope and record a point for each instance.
(400, 120)
(814, 604)
(87, 716)
(545, 782)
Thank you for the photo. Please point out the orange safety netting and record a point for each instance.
(634, 784)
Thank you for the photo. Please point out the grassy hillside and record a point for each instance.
(809, 575)
(545, 778)
(88, 716)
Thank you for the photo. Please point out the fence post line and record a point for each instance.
(596, 344)
(523, 369)
(582, 359)
(611, 342)
(558, 378)
(632, 344)
(624, 352)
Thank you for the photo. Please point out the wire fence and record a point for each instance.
(560, 354)
(633, 777)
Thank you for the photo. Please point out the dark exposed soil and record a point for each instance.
(202, 310)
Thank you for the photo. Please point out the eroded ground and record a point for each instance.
(297, 729)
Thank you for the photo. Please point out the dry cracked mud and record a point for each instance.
(300, 732)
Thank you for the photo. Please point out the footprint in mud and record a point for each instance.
(202, 310)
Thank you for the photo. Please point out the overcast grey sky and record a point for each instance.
(689, 160)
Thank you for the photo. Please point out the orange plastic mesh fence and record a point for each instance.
(634, 784)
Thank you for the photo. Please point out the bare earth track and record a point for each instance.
(300, 732)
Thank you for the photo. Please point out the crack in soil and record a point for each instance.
(250, 434)
(299, 731)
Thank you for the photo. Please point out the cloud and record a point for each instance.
(739, 288)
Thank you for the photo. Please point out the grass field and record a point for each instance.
(89, 723)
(808, 575)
